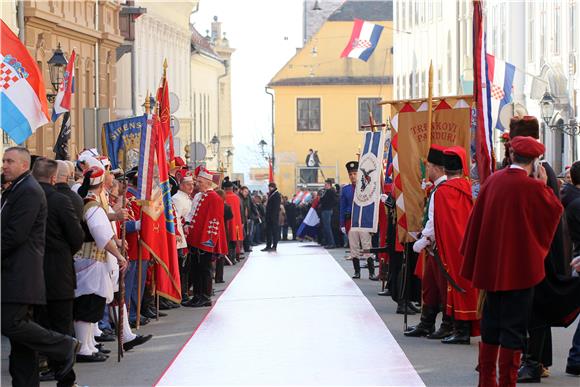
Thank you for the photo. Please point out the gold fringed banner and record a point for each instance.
(450, 126)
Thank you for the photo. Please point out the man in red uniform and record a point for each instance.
(434, 284)
(205, 235)
(235, 226)
(507, 238)
(453, 204)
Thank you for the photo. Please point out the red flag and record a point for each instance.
(165, 115)
(158, 225)
(270, 171)
(481, 90)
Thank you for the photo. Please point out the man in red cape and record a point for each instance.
(205, 235)
(452, 206)
(235, 226)
(434, 284)
(507, 238)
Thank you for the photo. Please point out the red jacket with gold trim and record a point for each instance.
(207, 230)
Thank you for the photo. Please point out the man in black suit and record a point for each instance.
(272, 218)
(64, 237)
(64, 174)
(24, 212)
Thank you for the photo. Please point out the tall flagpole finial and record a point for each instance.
(148, 103)
(164, 67)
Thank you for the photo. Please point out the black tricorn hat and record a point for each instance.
(352, 166)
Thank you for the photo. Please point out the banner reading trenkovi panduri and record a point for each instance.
(450, 126)
(365, 205)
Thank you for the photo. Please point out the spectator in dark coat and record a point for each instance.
(64, 174)
(246, 202)
(272, 218)
(24, 212)
(290, 208)
(571, 202)
(328, 201)
(64, 237)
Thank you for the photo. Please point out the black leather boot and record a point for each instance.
(461, 333)
(530, 371)
(427, 324)
(356, 265)
(445, 329)
(371, 266)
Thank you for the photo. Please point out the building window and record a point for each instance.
(417, 10)
(308, 114)
(503, 35)
(542, 30)
(556, 27)
(363, 111)
(573, 33)
(531, 40)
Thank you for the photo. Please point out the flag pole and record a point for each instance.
(430, 106)
(121, 296)
(140, 247)
(156, 107)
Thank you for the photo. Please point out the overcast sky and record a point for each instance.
(265, 34)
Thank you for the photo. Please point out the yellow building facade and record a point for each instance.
(321, 100)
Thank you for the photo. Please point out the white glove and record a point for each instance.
(420, 245)
(138, 225)
(576, 263)
(384, 198)
(343, 229)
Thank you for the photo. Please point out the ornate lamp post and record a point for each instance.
(571, 128)
(547, 108)
(56, 65)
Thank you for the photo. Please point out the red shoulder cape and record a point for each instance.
(235, 226)
(453, 204)
(509, 232)
(208, 231)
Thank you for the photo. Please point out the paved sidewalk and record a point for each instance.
(449, 365)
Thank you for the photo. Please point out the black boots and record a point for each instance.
(371, 266)
(427, 324)
(461, 333)
(356, 265)
(445, 329)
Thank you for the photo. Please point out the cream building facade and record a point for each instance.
(540, 38)
(91, 28)
(211, 99)
(161, 31)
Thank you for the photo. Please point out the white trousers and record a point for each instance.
(358, 241)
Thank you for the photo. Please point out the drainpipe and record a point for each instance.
(20, 19)
(225, 74)
(272, 158)
(97, 76)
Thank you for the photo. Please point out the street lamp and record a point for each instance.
(215, 143)
(547, 108)
(262, 144)
(56, 65)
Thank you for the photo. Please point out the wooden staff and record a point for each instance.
(121, 293)
(430, 106)
(140, 248)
